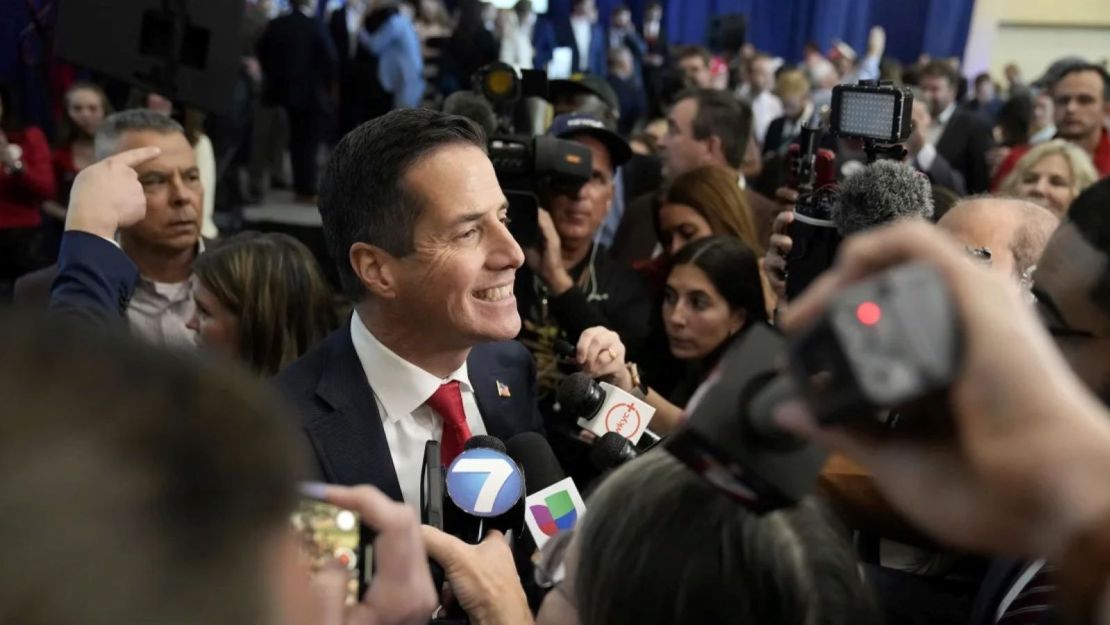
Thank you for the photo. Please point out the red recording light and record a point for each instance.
(869, 313)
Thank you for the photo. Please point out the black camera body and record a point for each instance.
(877, 113)
(528, 168)
(528, 164)
(882, 344)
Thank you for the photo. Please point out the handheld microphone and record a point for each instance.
(882, 192)
(553, 503)
(602, 407)
(485, 488)
(612, 450)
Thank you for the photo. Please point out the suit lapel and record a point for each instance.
(485, 376)
(350, 440)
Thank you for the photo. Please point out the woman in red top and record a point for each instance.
(86, 106)
(26, 181)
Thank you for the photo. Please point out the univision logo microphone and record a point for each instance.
(484, 482)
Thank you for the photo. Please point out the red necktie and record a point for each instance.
(447, 402)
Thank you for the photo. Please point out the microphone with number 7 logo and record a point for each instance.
(486, 488)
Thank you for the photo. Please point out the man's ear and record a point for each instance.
(715, 148)
(375, 268)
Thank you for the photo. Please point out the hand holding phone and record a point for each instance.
(401, 590)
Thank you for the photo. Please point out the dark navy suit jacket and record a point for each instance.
(329, 389)
(549, 35)
(95, 279)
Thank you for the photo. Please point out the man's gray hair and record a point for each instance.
(112, 128)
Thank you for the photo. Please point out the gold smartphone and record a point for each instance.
(328, 532)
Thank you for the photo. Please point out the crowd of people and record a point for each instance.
(197, 375)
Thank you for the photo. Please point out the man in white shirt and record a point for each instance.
(416, 221)
(766, 106)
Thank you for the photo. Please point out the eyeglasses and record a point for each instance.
(551, 570)
(1053, 320)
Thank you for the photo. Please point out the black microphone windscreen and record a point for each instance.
(564, 349)
(611, 450)
(533, 453)
(881, 193)
(482, 440)
(575, 392)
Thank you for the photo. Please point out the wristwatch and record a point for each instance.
(639, 389)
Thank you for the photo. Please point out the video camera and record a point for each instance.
(879, 114)
(887, 343)
(528, 164)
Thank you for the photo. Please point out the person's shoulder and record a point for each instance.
(502, 353)
(301, 376)
(33, 289)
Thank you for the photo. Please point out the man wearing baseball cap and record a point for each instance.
(569, 283)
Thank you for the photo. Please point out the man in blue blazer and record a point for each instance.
(580, 31)
(415, 219)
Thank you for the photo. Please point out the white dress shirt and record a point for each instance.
(766, 108)
(937, 129)
(582, 32)
(400, 390)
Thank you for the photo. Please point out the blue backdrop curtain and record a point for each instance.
(783, 27)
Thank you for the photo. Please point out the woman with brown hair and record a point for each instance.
(262, 300)
(704, 202)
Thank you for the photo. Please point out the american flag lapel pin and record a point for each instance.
(503, 389)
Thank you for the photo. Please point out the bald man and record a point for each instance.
(1015, 231)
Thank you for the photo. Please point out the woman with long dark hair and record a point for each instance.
(713, 293)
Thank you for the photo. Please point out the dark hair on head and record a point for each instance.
(474, 107)
(1090, 216)
(1087, 67)
(698, 51)
(661, 546)
(174, 476)
(70, 132)
(522, 8)
(723, 116)
(364, 196)
(272, 284)
(942, 69)
(1014, 119)
(11, 110)
(733, 269)
(982, 78)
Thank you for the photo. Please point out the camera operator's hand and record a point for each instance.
(402, 592)
(774, 260)
(107, 195)
(601, 355)
(483, 577)
(1027, 467)
(547, 262)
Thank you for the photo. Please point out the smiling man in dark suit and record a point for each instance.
(416, 222)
